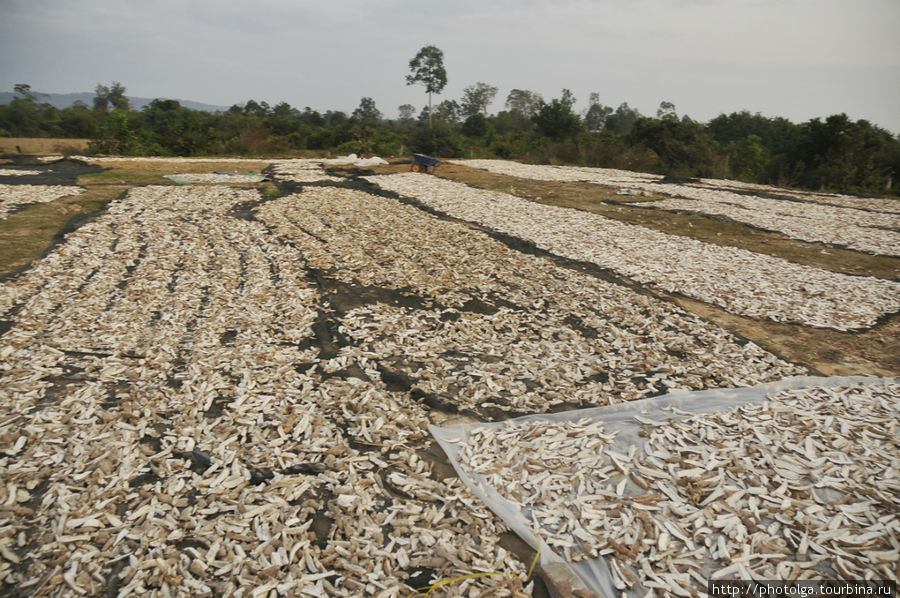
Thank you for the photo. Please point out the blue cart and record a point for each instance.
(421, 163)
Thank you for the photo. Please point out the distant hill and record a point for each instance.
(64, 100)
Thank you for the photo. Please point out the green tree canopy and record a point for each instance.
(406, 112)
(284, 110)
(476, 125)
(523, 105)
(101, 97)
(683, 148)
(448, 111)
(24, 91)
(523, 102)
(556, 119)
(117, 96)
(476, 99)
(841, 154)
(367, 112)
(112, 96)
(666, 111)
(832, 153)
(596, 114)
(622, 119)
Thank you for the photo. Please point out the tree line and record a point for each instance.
(830, 154)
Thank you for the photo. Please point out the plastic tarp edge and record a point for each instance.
(595, 572)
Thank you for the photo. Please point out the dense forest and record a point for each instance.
(834, 154)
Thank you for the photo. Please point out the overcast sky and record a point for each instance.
(794, 58)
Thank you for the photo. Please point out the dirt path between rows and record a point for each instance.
(875, 351)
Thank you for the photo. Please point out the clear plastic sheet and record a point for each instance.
(373, 161)
(619, 418)
(216, 177)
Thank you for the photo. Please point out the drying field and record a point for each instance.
(740, 281)
(703, 497)
(224, 389)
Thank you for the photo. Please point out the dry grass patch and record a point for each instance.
(26, 234)
(145, 172)
(875, 351)
(42, 145)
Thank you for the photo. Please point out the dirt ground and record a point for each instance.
(829, 352)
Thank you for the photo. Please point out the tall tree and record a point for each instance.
(117, 97)
(285, 111)
(524, 103)
(596, 114)
(666, 111)
(567, 98)
(476, 98)
(367, 112)
(447, 111)
(622, 119)
(556, 119)
(406, 112)
(24, 90)
(254, 108)
(114, 96)
(428, 69)
(101, 97)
